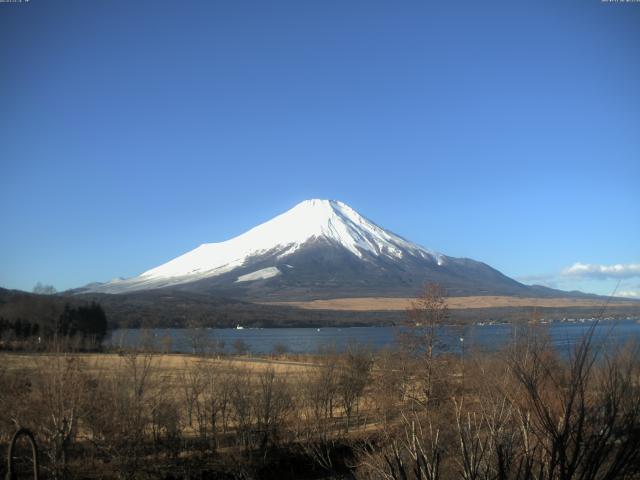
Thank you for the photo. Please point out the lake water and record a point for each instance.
(311, 340)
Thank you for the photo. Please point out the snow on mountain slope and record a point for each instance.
(328, 219)
(261, 274)
(310, 220)
(320, 249)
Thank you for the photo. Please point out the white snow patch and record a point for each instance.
(262, 274)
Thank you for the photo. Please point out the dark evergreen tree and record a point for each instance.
(92, 321)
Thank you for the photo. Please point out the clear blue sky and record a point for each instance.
(504, 131)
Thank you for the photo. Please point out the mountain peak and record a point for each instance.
(318, 249)
(317, 202)
(319, 209)
(337, 222)
(316, 209)
(309, 222)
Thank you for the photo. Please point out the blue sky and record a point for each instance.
(508, 132)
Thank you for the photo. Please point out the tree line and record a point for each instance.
(37, 319)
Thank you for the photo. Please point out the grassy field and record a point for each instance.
(396, 304)
(355, 415)
(165, 365)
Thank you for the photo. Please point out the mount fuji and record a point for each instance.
(319, 249)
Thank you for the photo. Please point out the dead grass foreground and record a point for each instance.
(523, 413)
(164, 364)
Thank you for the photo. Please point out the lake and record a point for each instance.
(310, 340)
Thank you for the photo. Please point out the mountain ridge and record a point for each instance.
(319, 249)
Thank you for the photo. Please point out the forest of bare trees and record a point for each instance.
(529, 411)
(526, 412)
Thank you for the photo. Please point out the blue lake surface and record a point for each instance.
(311, 340)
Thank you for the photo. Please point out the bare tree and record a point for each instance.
(192, 386)
(118, 412)
(411, 451)
(197, 338)
(165, 425)
(390, 382)
(273, 401)
(280, 349)
(213, 401)
(43, 289)
(427, 313)
(319, 397)
(240, 400)
(58, 386)
(583, 419)
(241, 347)
(353, 377)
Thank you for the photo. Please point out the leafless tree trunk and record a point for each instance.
(427, 312)
(353, 377)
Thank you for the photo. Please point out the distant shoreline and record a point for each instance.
(362, 304)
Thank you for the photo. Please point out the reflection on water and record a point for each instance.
(311, 340)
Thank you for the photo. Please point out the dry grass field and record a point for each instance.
(358, 414)
(167, 366)
(396, 304)
(163, 362)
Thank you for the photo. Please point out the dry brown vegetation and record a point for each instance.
(143, 414)
(488, 301)
(524, 413)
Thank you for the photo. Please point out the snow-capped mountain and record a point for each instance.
(319, 249)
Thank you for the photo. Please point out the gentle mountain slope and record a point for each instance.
(319, 249)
